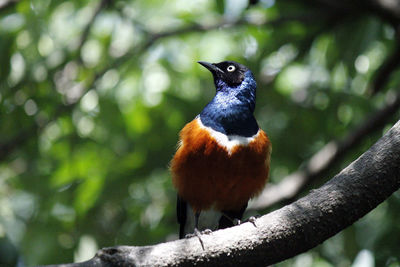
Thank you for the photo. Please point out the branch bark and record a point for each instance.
(286, 232)
(292, 185)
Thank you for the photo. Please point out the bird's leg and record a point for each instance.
(196, 227)
(196, 220)
(196, 231)
(231, 217)
(235, 221)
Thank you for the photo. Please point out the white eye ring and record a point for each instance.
(231, 68)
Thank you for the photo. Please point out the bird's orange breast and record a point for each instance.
(209, 173)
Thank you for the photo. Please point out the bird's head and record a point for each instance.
(227, 73)
(231, 110)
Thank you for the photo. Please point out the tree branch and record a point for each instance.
(291, 186)
(286, 232)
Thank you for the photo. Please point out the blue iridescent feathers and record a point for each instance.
(231, 110)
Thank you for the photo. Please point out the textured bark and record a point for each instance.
(284, 233)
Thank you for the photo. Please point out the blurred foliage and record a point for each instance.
(90, 121)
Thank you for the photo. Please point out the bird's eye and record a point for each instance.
(231, 68)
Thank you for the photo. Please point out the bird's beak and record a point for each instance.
(211, 67)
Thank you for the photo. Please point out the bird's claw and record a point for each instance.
(206, 232)
(252, 220)
(198, 234)
(189, 235)
(236, 222)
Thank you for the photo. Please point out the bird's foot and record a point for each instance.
(198, 234)
(236, 222)
(252, 220)
(189, 235)
(206, 232)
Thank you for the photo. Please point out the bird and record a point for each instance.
(223, 156)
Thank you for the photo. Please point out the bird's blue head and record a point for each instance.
(231, 110)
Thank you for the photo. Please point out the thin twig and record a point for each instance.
(154, 37)
(391, 63)
(85, 34)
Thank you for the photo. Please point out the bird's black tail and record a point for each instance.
(181, 213)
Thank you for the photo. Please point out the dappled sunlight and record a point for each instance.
(17, 68)
(93, 96)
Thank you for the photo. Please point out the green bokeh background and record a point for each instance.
(87, 131)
